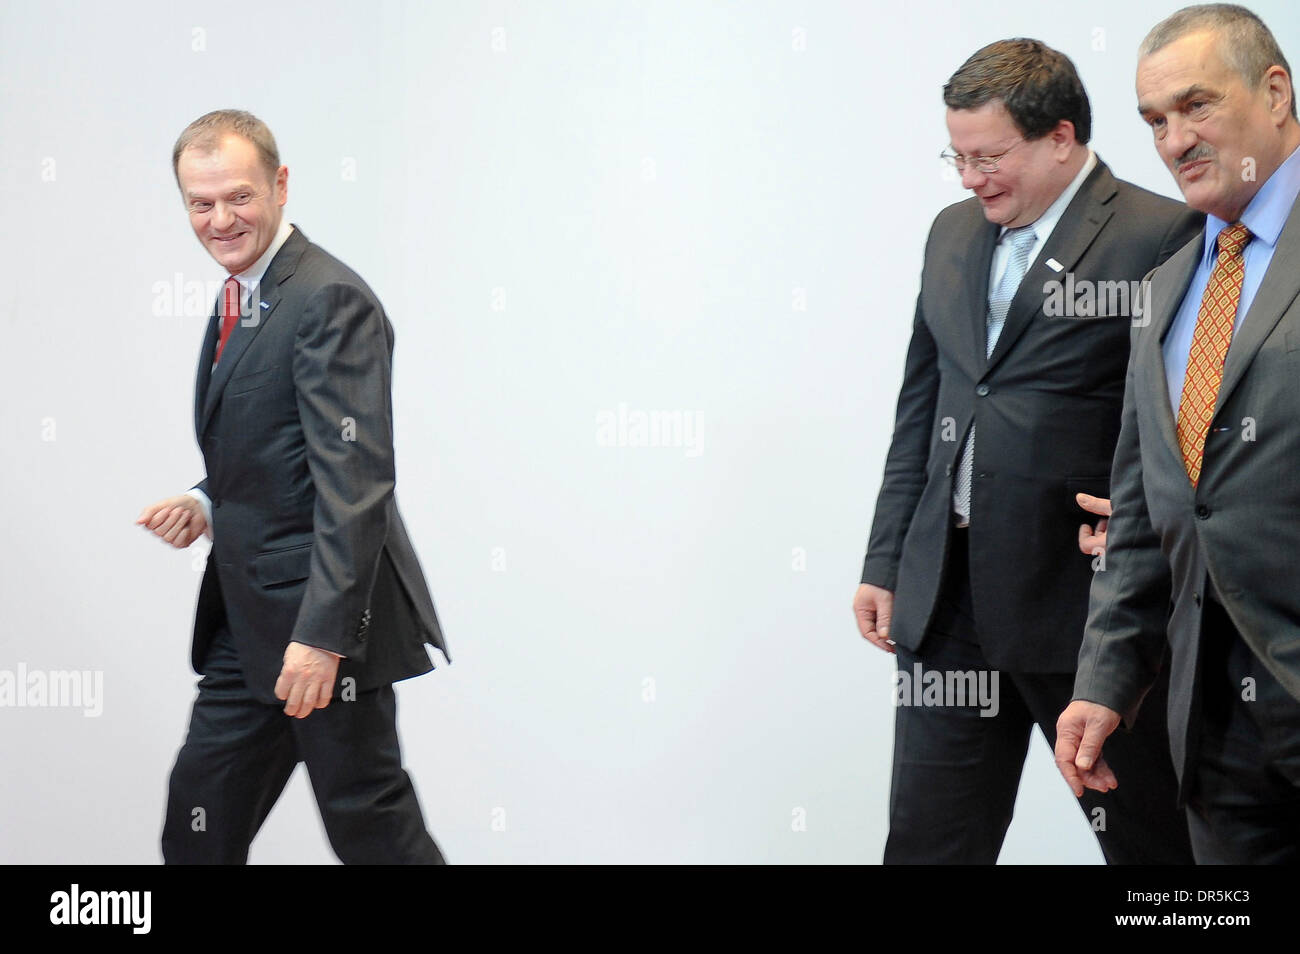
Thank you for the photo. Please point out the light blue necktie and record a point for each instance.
(1020, 241)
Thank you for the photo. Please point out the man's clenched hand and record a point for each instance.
(1080, 732)
(177, 520)
(1092, 540)
(307, 679)
(873, 608)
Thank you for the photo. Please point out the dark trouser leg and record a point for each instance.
(237, 757)
(956, 771)
(1139, 822)
(365, 797)
(1244, 806)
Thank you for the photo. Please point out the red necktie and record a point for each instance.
(229, 312)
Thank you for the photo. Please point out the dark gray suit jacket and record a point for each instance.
(295, 425)
(1237, 531)
(1047, 409)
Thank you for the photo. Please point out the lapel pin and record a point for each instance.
(1054, 265)
(264, 304)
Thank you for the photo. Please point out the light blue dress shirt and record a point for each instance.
(1264, 216)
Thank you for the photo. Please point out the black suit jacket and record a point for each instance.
(295, 425)
(1046, 405)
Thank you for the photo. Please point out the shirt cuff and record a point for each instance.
(204, 502)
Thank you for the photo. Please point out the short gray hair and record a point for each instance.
(1245, 43)
(207, 131)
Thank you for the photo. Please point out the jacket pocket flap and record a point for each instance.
(241, 383)
(283, 566)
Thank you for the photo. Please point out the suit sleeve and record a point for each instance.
(1129, 602)
(909, 453)
(342, 377)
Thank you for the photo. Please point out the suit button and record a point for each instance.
(1202, 512)
(982, 390)
(947, 471)
(1196, 598)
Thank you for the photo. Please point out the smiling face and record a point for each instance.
(234, 206)
(1220, 138)
(1031, 174)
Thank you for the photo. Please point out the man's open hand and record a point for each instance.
(1080, 732)
(1092, 540)
(177, 520)
(307, 679)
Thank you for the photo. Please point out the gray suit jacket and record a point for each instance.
(1236, 534)
(295, 425)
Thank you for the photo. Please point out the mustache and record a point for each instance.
(1197, 152)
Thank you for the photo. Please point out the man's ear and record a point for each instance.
(1280, 93)
(1062, 135)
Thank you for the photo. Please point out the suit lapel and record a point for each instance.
(203, 376)
(265, 299)
(1168, 289)
(1280, 285)
(980, 263)
(1079, 224)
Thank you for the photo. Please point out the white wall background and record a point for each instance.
(714, 208)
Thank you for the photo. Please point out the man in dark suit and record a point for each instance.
(313, 602)
(1009, 406)
(1204, 544)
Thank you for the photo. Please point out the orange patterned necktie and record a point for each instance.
(1210, 342)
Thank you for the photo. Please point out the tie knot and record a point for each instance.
(230, 296)
(1233, 239)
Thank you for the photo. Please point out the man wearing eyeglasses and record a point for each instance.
(1010, 405)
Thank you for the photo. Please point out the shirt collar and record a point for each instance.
(1267, 212)
(252, 276)
(1046, 222)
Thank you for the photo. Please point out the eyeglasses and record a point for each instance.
(985, 164)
